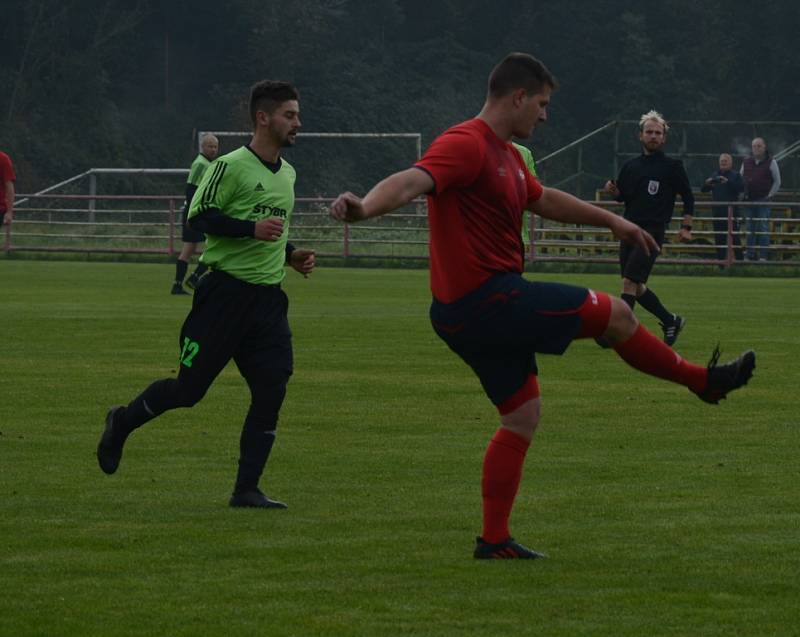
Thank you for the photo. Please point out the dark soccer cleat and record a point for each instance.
(109, 449)
(254, 499)
(673, 329)
(508, 550)
(192, 281)
(723, 379)
(178, 289)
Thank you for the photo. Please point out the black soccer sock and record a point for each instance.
(255, 445)
(160, 396)
(200, 270)
(180, 271)
(650, 302)
(267, 391)
(630, 299)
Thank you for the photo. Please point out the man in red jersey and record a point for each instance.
(7, 179)
(487, 313)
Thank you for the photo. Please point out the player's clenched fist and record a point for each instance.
(347, 207)
(269, 229)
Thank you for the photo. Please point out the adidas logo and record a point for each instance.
(259, 187)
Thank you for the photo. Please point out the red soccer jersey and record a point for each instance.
(6, 174)
(481, 188)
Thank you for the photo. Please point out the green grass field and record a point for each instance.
(661, 515)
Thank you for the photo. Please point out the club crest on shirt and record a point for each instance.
(652, 187)
(501, 171)
(521, 174)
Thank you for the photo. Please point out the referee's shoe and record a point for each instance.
(673, 329)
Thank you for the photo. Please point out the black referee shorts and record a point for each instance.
(233, 319)
(633, 262)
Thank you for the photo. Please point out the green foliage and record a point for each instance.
(86, 84)
(661, 515)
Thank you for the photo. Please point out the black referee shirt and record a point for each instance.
(648, 185)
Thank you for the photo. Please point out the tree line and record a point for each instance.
(90, 83)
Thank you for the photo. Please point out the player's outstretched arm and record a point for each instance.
(391, 193)
(563, 207)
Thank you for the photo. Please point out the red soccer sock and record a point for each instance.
(650, 355)
(502, 472)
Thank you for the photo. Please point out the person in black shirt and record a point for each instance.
(725, 185)
(647, 185)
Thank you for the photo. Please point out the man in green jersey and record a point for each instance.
(243, 205)
(527, 157)
(209, 147)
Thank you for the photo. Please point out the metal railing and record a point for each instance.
(719, 239)
(151, 225)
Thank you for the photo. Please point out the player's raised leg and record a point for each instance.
(644, 351)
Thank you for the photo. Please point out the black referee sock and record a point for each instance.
(255, 446)
(652, 304)
(630, 299)
(180, 271)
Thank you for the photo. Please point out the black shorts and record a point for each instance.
(498, 328)
(634, 264)
(187, 234)
(233, 319)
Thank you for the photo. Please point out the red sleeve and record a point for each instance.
(535, 189)
(454, 160)
(6, 169)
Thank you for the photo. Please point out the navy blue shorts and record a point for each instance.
(498, 328)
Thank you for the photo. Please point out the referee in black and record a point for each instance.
(648, 184)
(239, 311)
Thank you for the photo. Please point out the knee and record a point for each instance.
(267, 394)
(622, 323)
(524, 420)
(187, 394)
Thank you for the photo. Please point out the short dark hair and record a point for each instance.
(267, 95)
(520, 70)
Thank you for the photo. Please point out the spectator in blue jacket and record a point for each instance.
(725, 185)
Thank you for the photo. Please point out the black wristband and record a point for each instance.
(686, 226)
(289, 249)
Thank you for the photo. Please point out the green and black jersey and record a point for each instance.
(241, 186)
(197, 169)
(527, 157)
(196, 172)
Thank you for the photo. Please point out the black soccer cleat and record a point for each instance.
(723, 379)
(192, 281)
(507, 550)
(673, 329)
(178, 289)
(254, 499)
(109, 449)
